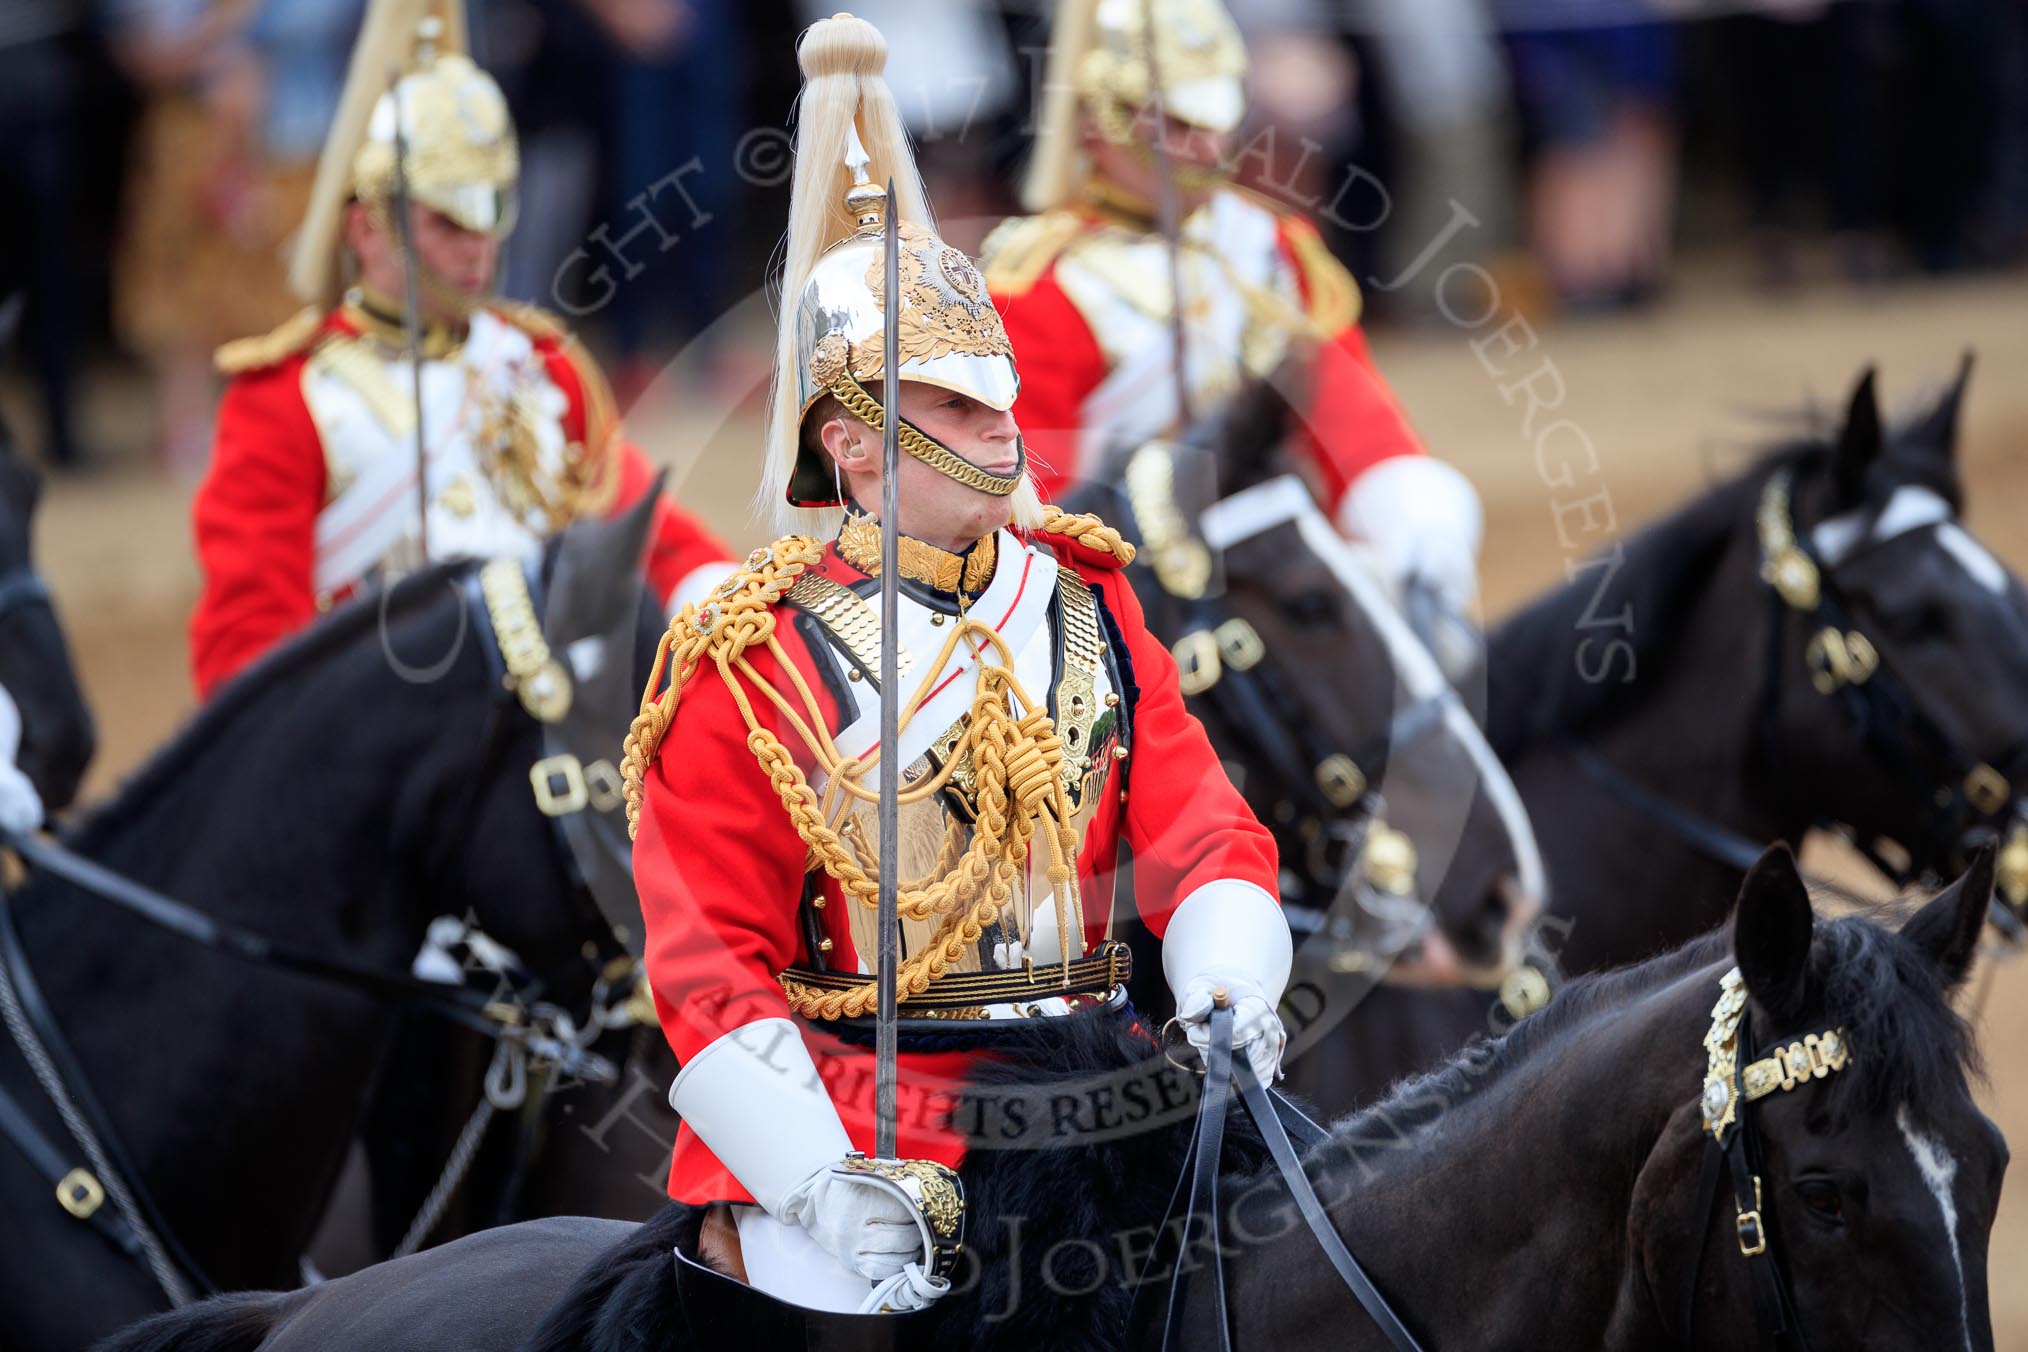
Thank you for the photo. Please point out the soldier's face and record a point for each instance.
(1130, 164)
(934, 507)
(455, 259)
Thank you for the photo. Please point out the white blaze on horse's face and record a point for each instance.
(1939, 1170)
(1912, 507)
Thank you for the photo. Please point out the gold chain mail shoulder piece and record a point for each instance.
(1009, 739)
(285, 340)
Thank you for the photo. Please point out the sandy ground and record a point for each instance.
(1668, 400)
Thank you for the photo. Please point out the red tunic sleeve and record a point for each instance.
(678, 543)
(718, 864)
(1353, 421)
(1060, 365)
(1185, 822)
(255, 520)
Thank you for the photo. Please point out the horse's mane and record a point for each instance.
(1887, 998)
(280, 666)
(1654, 577)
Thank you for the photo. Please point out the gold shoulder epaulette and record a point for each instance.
(532, 320)
(1085, 530)
(737, 615)
(1333, 295)
(1021, 248)
(286, 339)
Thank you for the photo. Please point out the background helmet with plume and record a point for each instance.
(1104, 64)
(462, 160)
(849, 143)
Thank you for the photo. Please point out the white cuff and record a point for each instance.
(696, 584)
(756, 1101)
(1229, 928)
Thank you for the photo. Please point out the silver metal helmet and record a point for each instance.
(950, 334)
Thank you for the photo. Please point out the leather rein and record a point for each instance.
(1277, 1120)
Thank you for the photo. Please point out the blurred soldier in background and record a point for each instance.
(1085, 286)
(312, 489)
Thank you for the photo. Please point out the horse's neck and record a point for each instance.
(217, 1072)
(1689, 742)
(1508, 1210)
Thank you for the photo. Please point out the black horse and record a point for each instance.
(1544, 1190)
(57, 737)
(1815, 643)
(1408, 864)
(365, 778)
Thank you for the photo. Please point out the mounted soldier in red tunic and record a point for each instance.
(1039, 729)
(312, 489)
(1087, 284)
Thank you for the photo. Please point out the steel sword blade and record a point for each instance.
(411, 313)
(885, 1070)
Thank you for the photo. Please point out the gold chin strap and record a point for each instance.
(939, 457)
(1009, 740)
(1812, 1058)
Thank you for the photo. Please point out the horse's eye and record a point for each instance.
(1821, 1196)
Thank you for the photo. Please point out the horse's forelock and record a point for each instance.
(1908, 1044)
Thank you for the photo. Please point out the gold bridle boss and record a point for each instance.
(1729, 1086)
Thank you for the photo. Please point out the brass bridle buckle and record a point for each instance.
(1838, 658)
(1986, 789)
(1752, 1233)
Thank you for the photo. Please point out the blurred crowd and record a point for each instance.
(156, 154)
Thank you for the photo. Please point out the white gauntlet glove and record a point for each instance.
(1231, 934)
(859, 1220)
(755, 1098)
(1257, 1032)
(1422, 519)
(20, 804)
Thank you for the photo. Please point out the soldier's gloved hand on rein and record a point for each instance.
(1422, 520)
(20, 804)
(1232, 935)
(858, 1220)
(1257, 1032)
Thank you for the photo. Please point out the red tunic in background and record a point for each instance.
(273, 475)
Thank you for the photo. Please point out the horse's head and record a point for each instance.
(1853, 1149)
(1905, 643)
(1332, 718)
(57, 738)
(566, 642)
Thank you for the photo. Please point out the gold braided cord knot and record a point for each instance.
(1009, 739)
(1087, 530)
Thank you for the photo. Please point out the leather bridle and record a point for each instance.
(1732, 1086)
(1957, 793)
